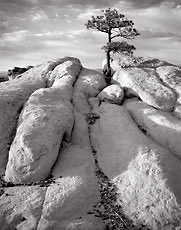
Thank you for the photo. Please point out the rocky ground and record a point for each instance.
(76, 154)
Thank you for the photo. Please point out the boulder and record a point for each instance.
(70, 66)
(88, 84)
(171, 76)
(145, 84)
(150, 62)
(162, 127)
(45, 121)
(13, 95)
(124, 61)
(113, 94)
(146, 175)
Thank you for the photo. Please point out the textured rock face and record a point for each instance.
(146, 85)
(163, 127)
(78, 191)
(44, 122)
(89, 84)
(47, 118)
(113, 94)
(21, 207)
(13, 95)
(140, 169)
(171, 76)
(83, 156)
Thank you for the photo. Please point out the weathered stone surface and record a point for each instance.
(89, 84)
(13, 95)
(163, 127)
(94, 103)
(149, 62)
(147, 176)
(77, 192)
(20, 207)
(171, 76)
(122, 61)
(113, 94)
(75, 195)
(177, 110)
(69, 67)
(64, 131)
(46, 119)
(146, 85)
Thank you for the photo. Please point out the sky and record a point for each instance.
(35, 31)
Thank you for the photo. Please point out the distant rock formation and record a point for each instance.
(17, 71)
(76, 154)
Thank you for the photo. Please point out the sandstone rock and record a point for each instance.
(163, 127)
(124, 61)
(53, 138)
(113, 94)
(171, 76)
(13, 95)
(177, 110)
(44, 122)
(146, 85)
(149, 62)
(21, 207)
(94, 103)
(147, 176)
(74, 195)
(77, 192)
(89, 84)
(69, 66)
(46, 119)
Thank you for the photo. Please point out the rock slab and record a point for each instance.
(145, 84)
(146, 175)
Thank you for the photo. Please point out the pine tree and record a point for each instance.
(115, 25)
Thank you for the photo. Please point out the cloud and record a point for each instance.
(143, 4)
(16, 36)
(38, 16)
(88, 13)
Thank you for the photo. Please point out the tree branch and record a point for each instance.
(117, 35)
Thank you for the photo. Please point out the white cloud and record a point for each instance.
(88, 13)
(49, 34)
(16, 36)
(39, 16)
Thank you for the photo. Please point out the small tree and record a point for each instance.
(114, 25)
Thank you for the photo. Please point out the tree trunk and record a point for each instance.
(108, 52)
(108, 72)
(108, 60)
